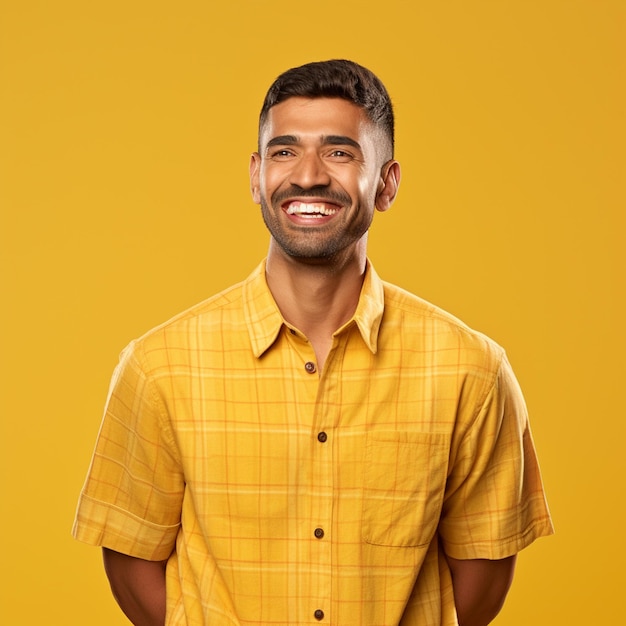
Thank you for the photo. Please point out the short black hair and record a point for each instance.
(337, 78)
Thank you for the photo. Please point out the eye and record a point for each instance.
(340, 155)
(281, 153)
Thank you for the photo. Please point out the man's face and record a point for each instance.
(318, 175)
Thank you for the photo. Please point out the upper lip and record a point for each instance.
(327, 196)
(310, 200)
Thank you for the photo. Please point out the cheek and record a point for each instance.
(262, 188)
(269, 181)
(367, 188)
(276, 181)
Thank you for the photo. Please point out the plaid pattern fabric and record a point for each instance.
(283, 495)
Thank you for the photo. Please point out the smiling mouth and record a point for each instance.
(312, 210)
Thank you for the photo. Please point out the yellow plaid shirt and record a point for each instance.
(283, 495)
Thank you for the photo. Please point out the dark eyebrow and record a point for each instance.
(340, 140)
(327, 140)
(282, 140)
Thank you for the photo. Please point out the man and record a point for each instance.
(314, 445)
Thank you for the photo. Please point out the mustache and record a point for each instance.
(318, 192)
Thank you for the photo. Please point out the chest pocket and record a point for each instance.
(403, 488)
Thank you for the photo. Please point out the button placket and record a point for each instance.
(326, 416)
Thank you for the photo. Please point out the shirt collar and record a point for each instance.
(264, 319)
(369, 311)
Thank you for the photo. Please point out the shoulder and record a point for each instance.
(197, 328)
(426, 326)
(223, 304)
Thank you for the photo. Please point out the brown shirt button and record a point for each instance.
(319, 614)
(319, 533)
(309, 366)
(322, 437)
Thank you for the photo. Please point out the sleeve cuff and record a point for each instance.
(500, 548)
(102, 524)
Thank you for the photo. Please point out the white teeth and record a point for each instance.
(316, 210)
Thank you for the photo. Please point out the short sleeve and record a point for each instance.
(132, 497)
(495, 503)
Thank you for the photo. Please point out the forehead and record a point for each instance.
(315, 118)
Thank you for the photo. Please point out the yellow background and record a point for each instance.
(125, 132)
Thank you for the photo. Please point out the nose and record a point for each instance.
(309, 171)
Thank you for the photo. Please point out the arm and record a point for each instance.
(138, 586)
(480, 587)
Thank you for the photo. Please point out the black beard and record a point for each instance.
(322, 249)
(318, 191)
(293, 246)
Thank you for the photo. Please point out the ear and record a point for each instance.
(255, 172)
(388, 185)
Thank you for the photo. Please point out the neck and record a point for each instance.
(315, 297)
